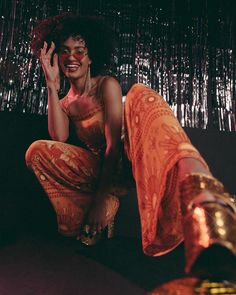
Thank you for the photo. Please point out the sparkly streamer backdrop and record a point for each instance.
(183, 49)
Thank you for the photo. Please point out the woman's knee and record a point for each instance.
(35, 148)
(141, 91)
(133, 91)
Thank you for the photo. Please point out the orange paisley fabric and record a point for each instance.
(68, 175)
(153, 141)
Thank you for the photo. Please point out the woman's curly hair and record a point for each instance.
(97, 34)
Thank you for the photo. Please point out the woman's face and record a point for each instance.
(73, 58)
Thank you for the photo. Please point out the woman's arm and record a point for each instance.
(112, 97)
(58, 122)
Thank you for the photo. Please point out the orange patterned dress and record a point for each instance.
(154, 142)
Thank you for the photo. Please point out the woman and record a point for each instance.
(178, 197)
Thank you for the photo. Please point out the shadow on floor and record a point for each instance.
(51, 264)
(125, 256)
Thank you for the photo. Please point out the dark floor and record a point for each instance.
(49, 264)
(42, 265)
(35, 260)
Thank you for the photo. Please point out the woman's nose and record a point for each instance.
(71, 56)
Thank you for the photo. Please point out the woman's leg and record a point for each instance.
(155, 142)
(162, 156)
(68, 175)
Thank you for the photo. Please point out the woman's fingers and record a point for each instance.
(46, 54)
(51, 49)
(43, 56)
(55, 59)
(46, 57)
(44, 48)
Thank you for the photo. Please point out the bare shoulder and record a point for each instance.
(112, 98)
(111, 86)
(110, 80)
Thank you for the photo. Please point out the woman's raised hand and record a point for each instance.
(50, 65)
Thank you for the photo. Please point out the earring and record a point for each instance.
(88, 85)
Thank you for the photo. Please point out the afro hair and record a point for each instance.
(97, 34)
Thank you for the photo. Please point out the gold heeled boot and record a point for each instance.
(90, 239)
(209, 225)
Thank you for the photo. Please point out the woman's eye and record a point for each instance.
(64, 51)
(80, 50)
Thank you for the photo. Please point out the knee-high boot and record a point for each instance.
(209, 224)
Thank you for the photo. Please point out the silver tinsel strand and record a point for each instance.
(179, 58)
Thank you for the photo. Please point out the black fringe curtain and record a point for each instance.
(184, 49)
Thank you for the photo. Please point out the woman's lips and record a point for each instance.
(72, 67)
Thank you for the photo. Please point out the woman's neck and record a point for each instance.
(78, 87)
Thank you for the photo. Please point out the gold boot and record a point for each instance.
(90, 239)
(209, 225)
